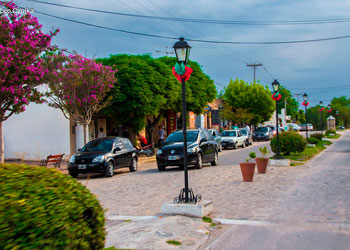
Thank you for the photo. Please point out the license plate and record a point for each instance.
(173, 157)
(82, 166)
(259, 136)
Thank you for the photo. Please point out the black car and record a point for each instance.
(262, 133)
(201, 148)
(103, 156)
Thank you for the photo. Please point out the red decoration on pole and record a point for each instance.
(329, 110)
(321, 109)
(276, 98)
(305, 104)
(186, 75)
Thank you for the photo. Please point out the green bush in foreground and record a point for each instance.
(313, 140)
(290, 142)
(318, 136)
(41, 208)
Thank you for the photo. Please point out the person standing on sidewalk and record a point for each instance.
(161, 135)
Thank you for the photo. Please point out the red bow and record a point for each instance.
(276, 98)
(186, 75)
(305, 104)
(321, 109)
(329, 110)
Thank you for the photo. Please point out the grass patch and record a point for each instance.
(307, 153)
(127, 220)
(212, 224)
(336, 136)
(294, 164)
(207, 219)
(174, 242)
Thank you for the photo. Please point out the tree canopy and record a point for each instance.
(250, 98)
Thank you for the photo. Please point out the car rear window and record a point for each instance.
(228, 133)
(262, 129)
(244, 131)
(178, 136)
(98, 145)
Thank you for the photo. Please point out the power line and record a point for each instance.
(197, 40)
(207, 21)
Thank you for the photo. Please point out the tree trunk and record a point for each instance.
(2, 153)
(149, 131)
(86, 133)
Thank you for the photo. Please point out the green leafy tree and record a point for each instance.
(253, 98)
(146, 87)
(314, 117)
(342, 105)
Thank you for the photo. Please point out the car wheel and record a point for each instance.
(109, 171)
(199, 162)
(243, 144)
(74, 175)
(161, 167)
(235, 146)
(220, 148)
(225, 148)
(215, 161)
(133, 165)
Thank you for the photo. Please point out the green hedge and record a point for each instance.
(41, 208)
(313, 140)
(290, 142)
(318, 136)
(331, 131)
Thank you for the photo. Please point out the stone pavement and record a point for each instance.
(303, 194)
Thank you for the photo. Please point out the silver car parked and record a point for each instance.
(232, 138)
(217, 138)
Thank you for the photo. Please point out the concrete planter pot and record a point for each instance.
(261, 164)
(247, 169)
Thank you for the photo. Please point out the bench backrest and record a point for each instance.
(54, 158)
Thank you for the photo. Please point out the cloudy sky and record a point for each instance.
(317, 68)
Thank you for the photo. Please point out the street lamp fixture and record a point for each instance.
(275, 87)
(305, 97)
(182, 51)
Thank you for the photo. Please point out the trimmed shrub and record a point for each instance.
(289, 142)
(318, 136)
(313, 140)
(331, 131)
(41, 208)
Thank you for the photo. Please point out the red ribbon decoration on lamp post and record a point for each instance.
(276, 96)
(306, 104)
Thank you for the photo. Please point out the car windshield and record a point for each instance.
(262, 129)
(228, 133)
(178, 136)
(98, 145)
(244, 131)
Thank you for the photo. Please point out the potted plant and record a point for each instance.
(248, 168)
(262, 161)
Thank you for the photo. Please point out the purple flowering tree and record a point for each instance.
(78, 86)
(21, 68)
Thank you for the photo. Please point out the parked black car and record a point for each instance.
(201, 148)
(262, 133)
(103, 156)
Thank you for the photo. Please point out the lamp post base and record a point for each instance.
(191, 197)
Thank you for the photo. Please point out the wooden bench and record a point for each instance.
(54, 160)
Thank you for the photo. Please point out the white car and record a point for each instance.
(232, 138)
(293, 127)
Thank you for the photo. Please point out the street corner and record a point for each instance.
(159, 232)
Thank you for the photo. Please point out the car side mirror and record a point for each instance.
(79, 149)
(116, 149)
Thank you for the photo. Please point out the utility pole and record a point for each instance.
(297, 95)
(254, 65)
(166, 52)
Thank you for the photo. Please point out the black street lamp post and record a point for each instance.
(321, 107)
(329, 121)
(275, 87)
(305, 102)
(182, 51)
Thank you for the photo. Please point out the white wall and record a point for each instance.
(36, 133)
